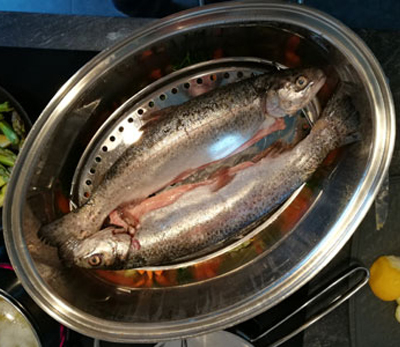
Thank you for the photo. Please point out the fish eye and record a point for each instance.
(301, 81)
(95, 260)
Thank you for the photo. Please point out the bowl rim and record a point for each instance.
(23, 312)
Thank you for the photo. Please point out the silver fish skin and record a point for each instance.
(184, 138)
(202, 217)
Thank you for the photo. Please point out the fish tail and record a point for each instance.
(59, 231)
(51, 234)
(342, 114)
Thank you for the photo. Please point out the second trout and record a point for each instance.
(182, 138)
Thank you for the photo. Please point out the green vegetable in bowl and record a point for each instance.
(7, 157)
(5, 107)
(8, 131)
(4, 176)
(4, 141)
(18, 124)
(3, 194)
(12, 137)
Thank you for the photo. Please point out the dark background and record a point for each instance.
(372, 14)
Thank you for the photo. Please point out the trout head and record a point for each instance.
(107, 249)
(291, 90)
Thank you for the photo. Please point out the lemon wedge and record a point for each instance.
(397, 314)
(385, 278)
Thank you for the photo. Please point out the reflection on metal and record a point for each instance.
(360, 274)
(225, 146)
(382, 203)
(217, 339)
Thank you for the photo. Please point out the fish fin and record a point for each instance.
(130, 219)
(116, 218)
(341, 112)
(223, 178)
(118, 230)
(159, 113)
(153, 117)
(149, 123)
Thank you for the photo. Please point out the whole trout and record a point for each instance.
(182, 138)
(203, 217)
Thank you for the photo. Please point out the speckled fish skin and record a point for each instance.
(202, 218)
(180, 139)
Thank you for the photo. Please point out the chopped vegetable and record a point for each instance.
(3, 194)
(18, 124)
(7, 157)
(12, 136)
(21, 143)
(4, 141)
(9, 132)
(5, 107)
(4, 176)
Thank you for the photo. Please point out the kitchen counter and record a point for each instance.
(69, 34)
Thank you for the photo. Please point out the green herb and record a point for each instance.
(7, 157)
(8, 131)
(4, 141)
(3, 194)
(18, 124)
(4, 176)
(5, 107)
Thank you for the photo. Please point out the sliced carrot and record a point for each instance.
(293, 43)
(258, 247)
(291, 57)
(218, 53)
(172, 277)
(62, 202)
(115, 277)
(156, 74)
(140, 282)
(295, 210)
(162, 280)
(330, 158)
(147, 53)
(210, 272)
(150, 274)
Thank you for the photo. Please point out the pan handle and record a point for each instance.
(363, 278)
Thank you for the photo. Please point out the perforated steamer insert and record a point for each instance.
(122, 129)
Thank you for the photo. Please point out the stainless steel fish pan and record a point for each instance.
(228, 287)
